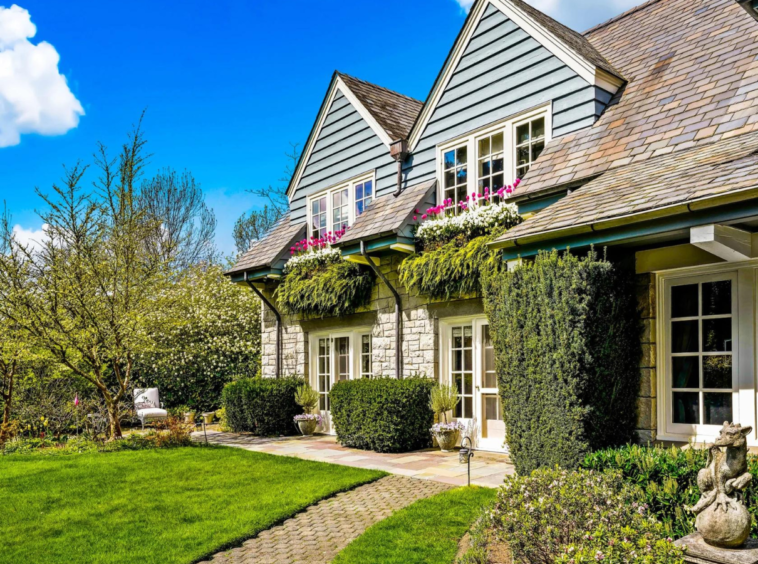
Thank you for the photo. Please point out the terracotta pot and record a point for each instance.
(307, 427)
(447, 440)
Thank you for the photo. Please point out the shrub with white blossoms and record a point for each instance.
(479, 215)
(314, 252)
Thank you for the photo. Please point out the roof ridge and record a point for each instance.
(620, 16)
(396, 93)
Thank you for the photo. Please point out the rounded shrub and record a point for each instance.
(383, 414)
(262, 406)
(566, 334)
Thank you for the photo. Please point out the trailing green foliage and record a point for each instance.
(331, 290)
(262, 406)
(668, 479)
(383, 414)
(452, 270)
(553, 515)
(567, 346)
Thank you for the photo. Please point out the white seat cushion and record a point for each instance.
(152, 413)
(150, 396)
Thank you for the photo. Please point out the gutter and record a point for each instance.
(398, 313)
(278, 316)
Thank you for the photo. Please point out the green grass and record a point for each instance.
(425, 532)
(162, 506)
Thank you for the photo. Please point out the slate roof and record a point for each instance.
(270, 248)
(388, 214)
(394, 112)
(575, 41)
(667, 182)
(692, 72)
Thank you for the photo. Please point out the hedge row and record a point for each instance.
(383, 414)
(262, 406)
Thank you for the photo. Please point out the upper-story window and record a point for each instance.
(336, 208)
(499, 154)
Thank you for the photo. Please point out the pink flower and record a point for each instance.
(414, 218)
(423, 216)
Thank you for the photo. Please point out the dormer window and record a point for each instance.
(337, 208)
(499, 154)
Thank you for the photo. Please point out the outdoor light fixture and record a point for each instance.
(751, 6)
(465, 455)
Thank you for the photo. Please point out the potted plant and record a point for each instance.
(190, 415)
(208, 417)
(443, 400)
(307, 398)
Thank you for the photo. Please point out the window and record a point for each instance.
(363, 196)
(489, 376)
(336, 208)
(462, 350)
(490, 164)
(455, 175)
(530, 142)
(342, 357)
(324, 374)
(701, 367)
(366, 357)
(499, 154)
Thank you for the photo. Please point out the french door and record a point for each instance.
(468, 361)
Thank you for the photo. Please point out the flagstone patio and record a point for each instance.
(487, 469)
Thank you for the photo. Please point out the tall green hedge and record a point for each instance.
(566, 334)
(262, 406)
(383, 414)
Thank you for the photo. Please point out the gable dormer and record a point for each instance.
(514, 79)
(346, 162)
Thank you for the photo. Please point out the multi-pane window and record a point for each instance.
(530, 142)
(489, 376)
(455, 175)
(490, 163)
(318, 217)
(340, 209)
(462, 372)
(701, 358)
(364, 193)
(366, 357)
(324, 373)
(492, 412)
(342, 358)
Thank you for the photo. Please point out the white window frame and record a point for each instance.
(744, 348)
(329, 192)
(508, 127)
(354, 348)
(361, 354)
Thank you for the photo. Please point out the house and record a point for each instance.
(639, 135)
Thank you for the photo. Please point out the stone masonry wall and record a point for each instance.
(646, 402)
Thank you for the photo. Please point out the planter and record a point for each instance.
(447, 439)
(208, 417)
(189, 417)
(307, 427)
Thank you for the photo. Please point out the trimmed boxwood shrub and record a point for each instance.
(262, 406)
(566, 334)
(383, 414)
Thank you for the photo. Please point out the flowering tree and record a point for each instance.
(211, 335)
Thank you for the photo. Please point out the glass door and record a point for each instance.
(492, 428)
(333, 359)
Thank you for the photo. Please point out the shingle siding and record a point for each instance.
(502, 72)
(346, 147)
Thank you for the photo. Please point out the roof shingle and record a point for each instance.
(270, 248)
(692, 71)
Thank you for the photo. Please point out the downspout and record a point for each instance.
(398, 314)
(277, 315)
(399, 152)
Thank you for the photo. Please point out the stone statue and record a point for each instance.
(722, 519)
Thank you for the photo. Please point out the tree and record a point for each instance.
(209, 337)
(253, 225)
(84, 295)
(184, 226)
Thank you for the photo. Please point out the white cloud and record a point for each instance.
(465, 4)
(32, 238)
(34, 96)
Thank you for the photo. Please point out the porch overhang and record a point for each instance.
(380, 243)
(242, 277)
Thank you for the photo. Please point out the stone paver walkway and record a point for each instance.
(487, 469)
(317, 534)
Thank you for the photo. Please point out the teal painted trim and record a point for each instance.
(238, 277)
(531, 206)
(625, 233)
(380, 244)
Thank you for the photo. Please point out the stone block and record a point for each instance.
(699, 552)
(646, 418)
(648, 355)
(648, 383)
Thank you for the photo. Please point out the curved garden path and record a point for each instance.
(317, 534)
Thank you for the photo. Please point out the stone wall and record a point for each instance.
(646, 402)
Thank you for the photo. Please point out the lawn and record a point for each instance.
(426, 531)
(163, 506)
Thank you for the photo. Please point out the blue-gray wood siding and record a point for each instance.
(346, 147)
(503, 71)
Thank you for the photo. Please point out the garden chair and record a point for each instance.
(148, 405)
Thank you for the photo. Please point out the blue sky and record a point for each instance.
(227, 84)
